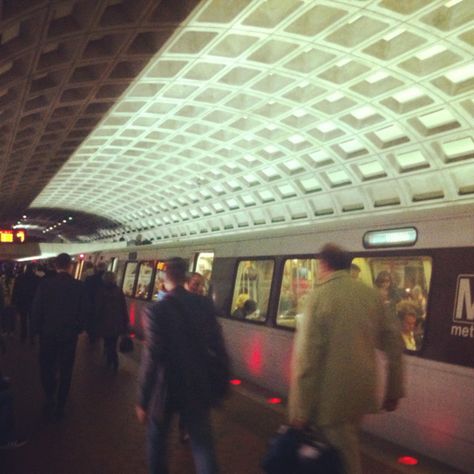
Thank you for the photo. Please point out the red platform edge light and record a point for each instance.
(407, 460)
(235, 382)
(274, 400)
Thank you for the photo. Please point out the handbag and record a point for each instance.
(294, 451)
(126, 344)
(218, 372)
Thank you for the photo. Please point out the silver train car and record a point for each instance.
(259, 280)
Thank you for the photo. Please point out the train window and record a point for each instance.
(404, 284)
(145, 273)
(299, 278)
(204, 261)
(129, 278)
(119, 271)
(252, 290)
(158, 285)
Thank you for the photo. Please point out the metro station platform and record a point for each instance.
(100, 434)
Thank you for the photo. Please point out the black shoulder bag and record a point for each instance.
(216, 363)
(294, 451)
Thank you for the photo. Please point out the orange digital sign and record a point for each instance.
(15, 236)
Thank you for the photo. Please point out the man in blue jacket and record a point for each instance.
(182, 335)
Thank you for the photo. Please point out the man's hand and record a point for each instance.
(390, 404)
(299, 424)
(141, 414)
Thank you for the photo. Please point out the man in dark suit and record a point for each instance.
(24, 291)
(181, 333)
(58, 317)
(92, 284)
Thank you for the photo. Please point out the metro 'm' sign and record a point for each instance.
(15, 236)
(464, 305)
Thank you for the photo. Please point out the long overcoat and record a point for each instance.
(334, 357)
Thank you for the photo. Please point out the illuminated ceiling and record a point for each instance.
(263, 113)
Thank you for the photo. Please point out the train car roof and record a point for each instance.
(154, 121)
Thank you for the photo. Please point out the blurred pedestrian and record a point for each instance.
(91, 285)
(333, 382)
(58, 315)
(24, 290)
(8, 438)
(111, 317)
(181, 336)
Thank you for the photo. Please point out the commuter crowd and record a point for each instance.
(52, 309)
(185, 368)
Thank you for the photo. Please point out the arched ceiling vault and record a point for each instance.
(260, 113)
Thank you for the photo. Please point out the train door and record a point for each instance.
(119, 271)
(112, 266)
(203, 262)
(77, 269)
(129, 279)
(143, 286)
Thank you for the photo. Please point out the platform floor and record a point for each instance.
(100, 434)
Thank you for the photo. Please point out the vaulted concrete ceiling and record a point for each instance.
(63, 64)
(252, 113)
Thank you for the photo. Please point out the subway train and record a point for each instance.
(422, 263)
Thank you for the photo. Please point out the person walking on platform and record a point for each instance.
(181, 335)
(24, 290)
(58, 314)
(92, 283)
(111, 317)
(333, 381)
(8, 311)
(8, 438)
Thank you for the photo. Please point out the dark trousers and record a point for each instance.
(56, 359)
(110, 349)
(23, 323)
(202, 444)
(7, 420)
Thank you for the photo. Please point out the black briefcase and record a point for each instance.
(297, 452)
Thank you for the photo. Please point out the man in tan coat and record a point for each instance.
(334, 363)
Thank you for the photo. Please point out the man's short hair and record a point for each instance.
(108, 278)
(335, 257)
(405, 308)
(62, 262)
(176, 269)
